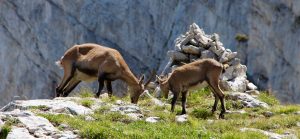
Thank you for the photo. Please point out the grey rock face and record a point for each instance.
(34, 34)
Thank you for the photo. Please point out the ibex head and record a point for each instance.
(140, 88)
(163, 84)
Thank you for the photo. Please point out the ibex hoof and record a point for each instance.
(221, 116)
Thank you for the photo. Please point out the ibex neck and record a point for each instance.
(130, 79)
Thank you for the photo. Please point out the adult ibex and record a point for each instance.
(90, 62)
(190, 75)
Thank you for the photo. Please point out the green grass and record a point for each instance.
(87, 102)
(85, 93)
(268, 98)
(6, 128)
(241, 37)
(201, 122)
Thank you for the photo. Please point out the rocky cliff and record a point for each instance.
(34, 34)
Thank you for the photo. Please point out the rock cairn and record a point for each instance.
(195, 44)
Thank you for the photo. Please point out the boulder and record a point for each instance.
(190, 49)
(177, 56)
(131, 108)
(251, 86)
(271, 135)
(152, 119)
(135, 116)
(252, 92)
(247, 100)
(208, 54)
(56, 105)
(181, 118)
(19, 133)
(238, 84)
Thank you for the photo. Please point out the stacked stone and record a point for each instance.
(195, 44)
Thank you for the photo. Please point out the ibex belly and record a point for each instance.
(84, 77)
(199, 86)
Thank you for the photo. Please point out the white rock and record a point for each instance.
(268, 113)
(298, 124)
(126, 109)
(89, 118)
(271, 135)
(252, 92)
(1, 123)
(227, 56)
(135, 116)
(181, 118)
(247, 100)
(57, 104)
(194, 42)
(35, 123)
(177, 56)
(215, 37)
(157, 92)
(239, 71)
(68, 135)
(210, 121)
(297, 113)
(19, 133)
(63, 126)
(120, 102)
(238, 111)
(190, 49)
(104, 95)
(153, 99)
(208, 54)
(236, 85)
(216, 49)
(152, 119)
(228, 74)
(251, 86)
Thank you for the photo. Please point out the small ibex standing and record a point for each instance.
(90, 62)
(191, 75)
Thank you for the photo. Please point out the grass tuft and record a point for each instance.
(268, 98)
(87, 102)
(85, 93)
(201, 113)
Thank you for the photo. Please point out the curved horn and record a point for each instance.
(151, 76)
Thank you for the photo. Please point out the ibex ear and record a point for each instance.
(142, 79)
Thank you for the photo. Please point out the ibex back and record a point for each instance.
(90, 62)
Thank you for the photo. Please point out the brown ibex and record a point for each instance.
(90, 62)
(191, 75)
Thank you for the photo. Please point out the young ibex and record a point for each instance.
(90, 62)
(190, 75)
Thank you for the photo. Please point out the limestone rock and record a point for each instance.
(56, 105)
(181, 118)
(268, 113)
(251, 86)
(152, 119)
(238, 84)
(190, 49)
(135, 116)
(247, 100)
(271, 135)
(126, 109)
(177, 56)
(19, 133)
(208, 54)
(252, 92)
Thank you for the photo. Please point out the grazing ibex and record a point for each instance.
(90, 62)
(191, 75)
